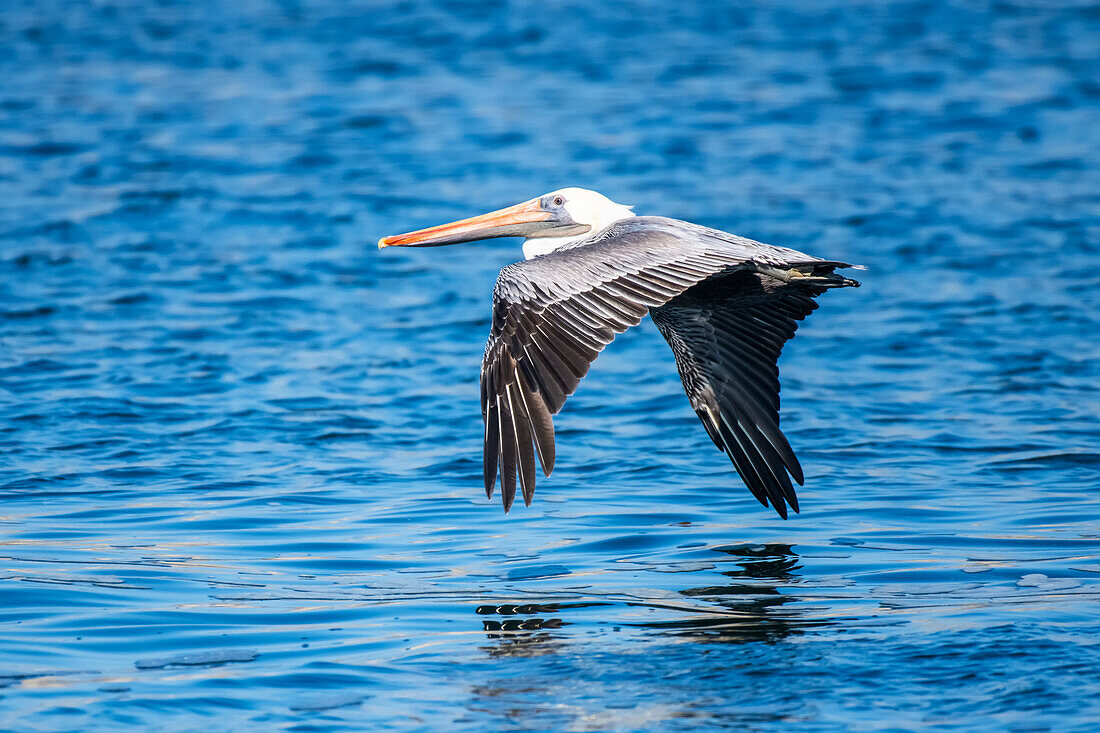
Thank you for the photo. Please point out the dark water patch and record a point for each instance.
(198, 659)
(537, 572)
(44, 149)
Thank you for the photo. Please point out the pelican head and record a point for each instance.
(546, 223)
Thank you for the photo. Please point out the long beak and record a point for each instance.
(520, 220)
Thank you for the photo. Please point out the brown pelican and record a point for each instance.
(725, 304)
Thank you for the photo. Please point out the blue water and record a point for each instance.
(240, 448)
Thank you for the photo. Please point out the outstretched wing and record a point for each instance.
(726, 334)
(552, 315)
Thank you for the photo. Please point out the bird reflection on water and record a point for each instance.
(523, 631)
(751, 607)
(752, 604)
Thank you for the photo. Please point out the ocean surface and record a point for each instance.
(240, 448)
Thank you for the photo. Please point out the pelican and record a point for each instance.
(592, 269)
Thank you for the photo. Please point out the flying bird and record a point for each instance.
(592, 269)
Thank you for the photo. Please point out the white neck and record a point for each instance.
(545, 245)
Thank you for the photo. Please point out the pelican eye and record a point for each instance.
(558, 201)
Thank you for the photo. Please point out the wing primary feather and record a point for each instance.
(769, 430)
(736, 456)
(763, 473)
(524, 445)
(772, 460)
(508, 465)
(542, 427)
(779, 441)
(492, 448)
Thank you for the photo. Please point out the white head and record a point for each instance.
(546, 223)
(589, 208)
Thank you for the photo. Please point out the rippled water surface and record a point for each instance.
(240, 448)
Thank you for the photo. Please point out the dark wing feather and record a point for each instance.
(552, 315)
(726, 334)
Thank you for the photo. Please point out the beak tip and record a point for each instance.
(382, 243)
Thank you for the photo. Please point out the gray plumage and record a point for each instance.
(725, 304)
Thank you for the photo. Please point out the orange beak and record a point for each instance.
(521, 220)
